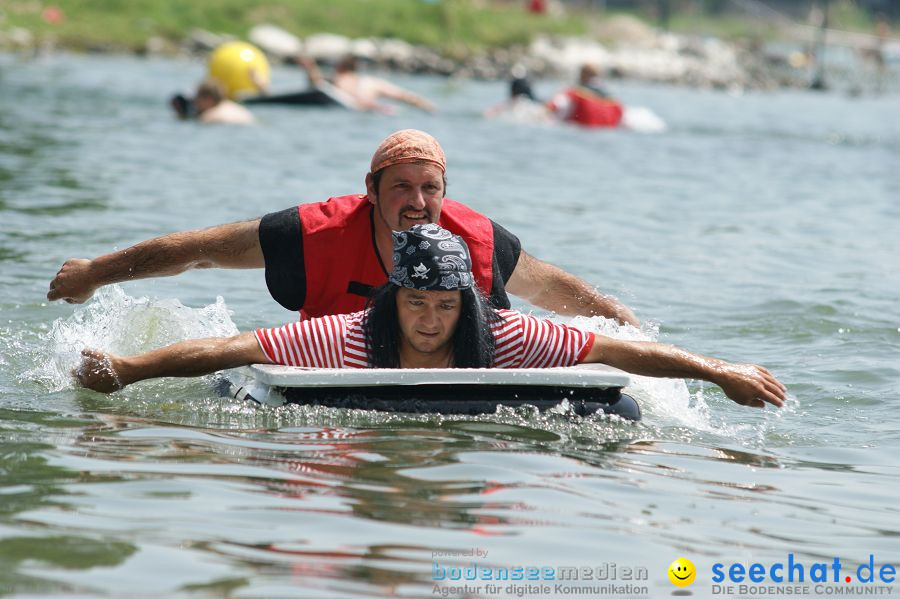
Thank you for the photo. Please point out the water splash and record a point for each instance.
(665, 400)
(116, 322)
(643, 120)
(671, 410)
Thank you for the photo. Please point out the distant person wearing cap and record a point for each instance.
(430, 314)
(327, 257)
(587, 104)
(365, 91)
(211, 106)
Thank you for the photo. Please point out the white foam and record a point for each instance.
(665, 400)
(116, 322)
(643, 120)
(669, 403)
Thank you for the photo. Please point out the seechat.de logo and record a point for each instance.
(682, 572)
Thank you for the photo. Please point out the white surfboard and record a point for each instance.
(586, 388)
(338, 95)
(598, 376)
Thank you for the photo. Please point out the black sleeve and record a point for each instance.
(506, 255)
(281, 240)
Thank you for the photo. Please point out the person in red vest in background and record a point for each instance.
(538, 7)
(587, 103)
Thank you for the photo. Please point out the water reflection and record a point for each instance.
(315, 504)
(228, 499)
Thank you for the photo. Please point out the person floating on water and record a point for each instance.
(211, 106)
(236, 69)
(519, 85)
(214, 107)
(430, 314)
(587, 104)
(327, 257)
(522, 105)
(363, 91)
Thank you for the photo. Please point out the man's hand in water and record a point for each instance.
(749, 385)
(73, 282)
(97, 372)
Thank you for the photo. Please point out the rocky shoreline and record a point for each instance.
(631, 50)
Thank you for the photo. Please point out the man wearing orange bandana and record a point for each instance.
(326, 257)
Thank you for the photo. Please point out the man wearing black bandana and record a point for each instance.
(430, 314)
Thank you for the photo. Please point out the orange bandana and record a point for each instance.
(408, 145)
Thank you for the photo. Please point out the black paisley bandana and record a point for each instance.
(431, 258)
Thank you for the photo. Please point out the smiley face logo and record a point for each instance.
(682, 572)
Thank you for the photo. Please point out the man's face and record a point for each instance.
(408, 194)
(427, 320)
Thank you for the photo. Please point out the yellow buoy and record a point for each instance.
(236, 65)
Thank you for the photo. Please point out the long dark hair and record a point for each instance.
(473, 341)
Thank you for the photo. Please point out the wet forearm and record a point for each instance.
(554, 289)
(225, 246)
(190, 358)
(154, 258)
(572, 297)
(647, 358)
(745, 384)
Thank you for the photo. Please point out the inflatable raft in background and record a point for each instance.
(588, 389)
(311, 97)
(324, 94)
(321, 97)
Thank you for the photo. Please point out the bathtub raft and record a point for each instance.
(588, 388)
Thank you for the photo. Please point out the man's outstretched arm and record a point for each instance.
(107, 372)
(552, 288)
(389, 90)
(745, 384)
(235, 245)
(316, 78)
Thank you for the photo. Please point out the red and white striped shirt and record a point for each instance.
(339, 341)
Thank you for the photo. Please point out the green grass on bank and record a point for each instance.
(448, 24)
(456, 27)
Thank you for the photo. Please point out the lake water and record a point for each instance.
(762, 227)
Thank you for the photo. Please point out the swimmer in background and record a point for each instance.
(520, 86)
(587, 103)
(522, 104)
(211, 106)
(214, 107)
(364, 91)
(589, 78)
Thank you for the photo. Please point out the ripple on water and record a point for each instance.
(758, 228)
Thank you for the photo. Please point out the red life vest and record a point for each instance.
(341, 227)
(591, 110)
